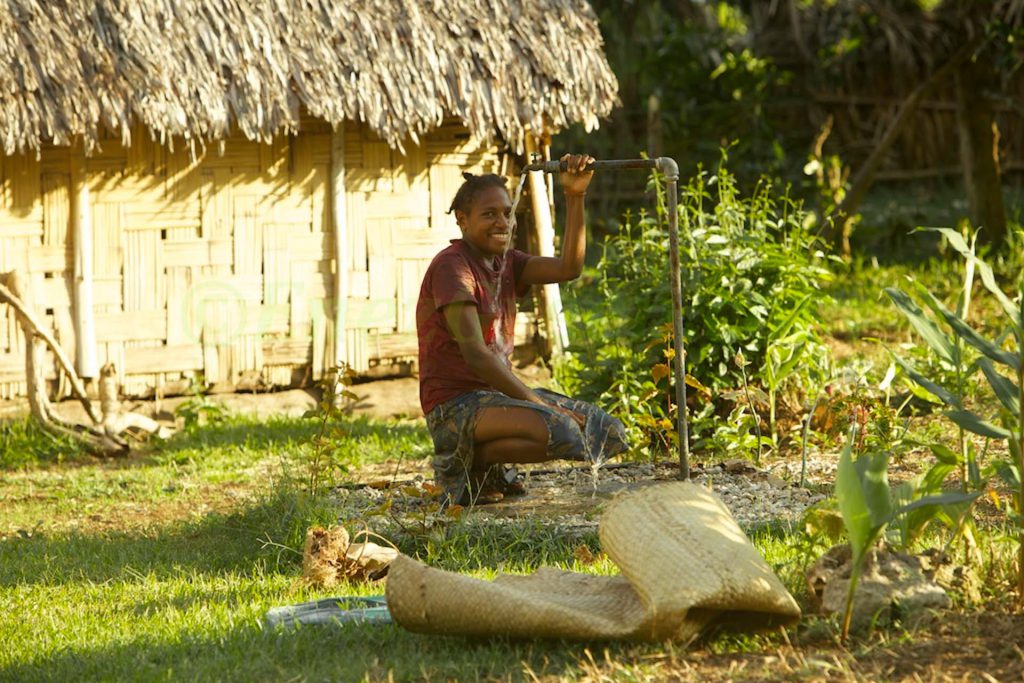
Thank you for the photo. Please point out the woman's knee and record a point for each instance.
(504, 422)
(510, 450)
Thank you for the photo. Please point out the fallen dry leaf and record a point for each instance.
(584, 555)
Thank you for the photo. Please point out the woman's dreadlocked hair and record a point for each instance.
(472, 185)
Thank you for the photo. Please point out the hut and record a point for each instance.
(251, 190)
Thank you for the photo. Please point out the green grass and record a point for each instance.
(172, 590)
(210, 465)
(186, 603)
(23, 443)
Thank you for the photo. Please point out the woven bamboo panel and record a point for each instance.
(221, 262)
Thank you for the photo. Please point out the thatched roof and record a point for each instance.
(198, 68)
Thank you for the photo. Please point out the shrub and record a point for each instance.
(750, 276)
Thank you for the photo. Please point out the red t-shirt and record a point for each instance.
(454, 275)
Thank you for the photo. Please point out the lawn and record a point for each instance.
(160, 566)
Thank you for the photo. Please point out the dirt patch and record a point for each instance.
(134, 516)
(396, 398)
(967, 646)
(977, 646)
(381, 399)
(393, 398)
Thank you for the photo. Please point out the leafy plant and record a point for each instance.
(750, 271)
(785, 348)
(198, 409)
(851, 403)
(951, 351)
(868, 506)
(922, 501)
(1008, 393)
(324, 458)
(862, 492)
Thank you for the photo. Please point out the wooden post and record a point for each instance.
(81, 227)
(551, 298)
(339, 208)
(979, 147)
(544, 142)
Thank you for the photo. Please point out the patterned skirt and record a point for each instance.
(452, 425)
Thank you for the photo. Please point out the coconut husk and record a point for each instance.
(330, 557)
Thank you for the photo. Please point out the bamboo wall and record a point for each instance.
(224, 264)
(928, 148)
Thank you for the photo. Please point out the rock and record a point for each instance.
(892, 587)
(738, 466)
(955, 578)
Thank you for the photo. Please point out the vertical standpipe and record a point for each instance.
(670, 169)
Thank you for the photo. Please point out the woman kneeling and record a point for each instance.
(480, 415)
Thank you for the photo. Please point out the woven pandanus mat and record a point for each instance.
(685, 565)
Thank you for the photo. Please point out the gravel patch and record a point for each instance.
(571, 498)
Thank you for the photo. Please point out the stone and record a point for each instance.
(892, 587)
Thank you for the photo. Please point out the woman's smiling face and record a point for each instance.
(486, 226)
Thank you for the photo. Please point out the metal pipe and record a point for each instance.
(556, 166)
(670, 169)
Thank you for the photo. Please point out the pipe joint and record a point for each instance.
(669, 167)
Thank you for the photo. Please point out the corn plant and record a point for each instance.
(921, 501)
(862, 491)
(950, 350)
(1006, 390)
(868, 506)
